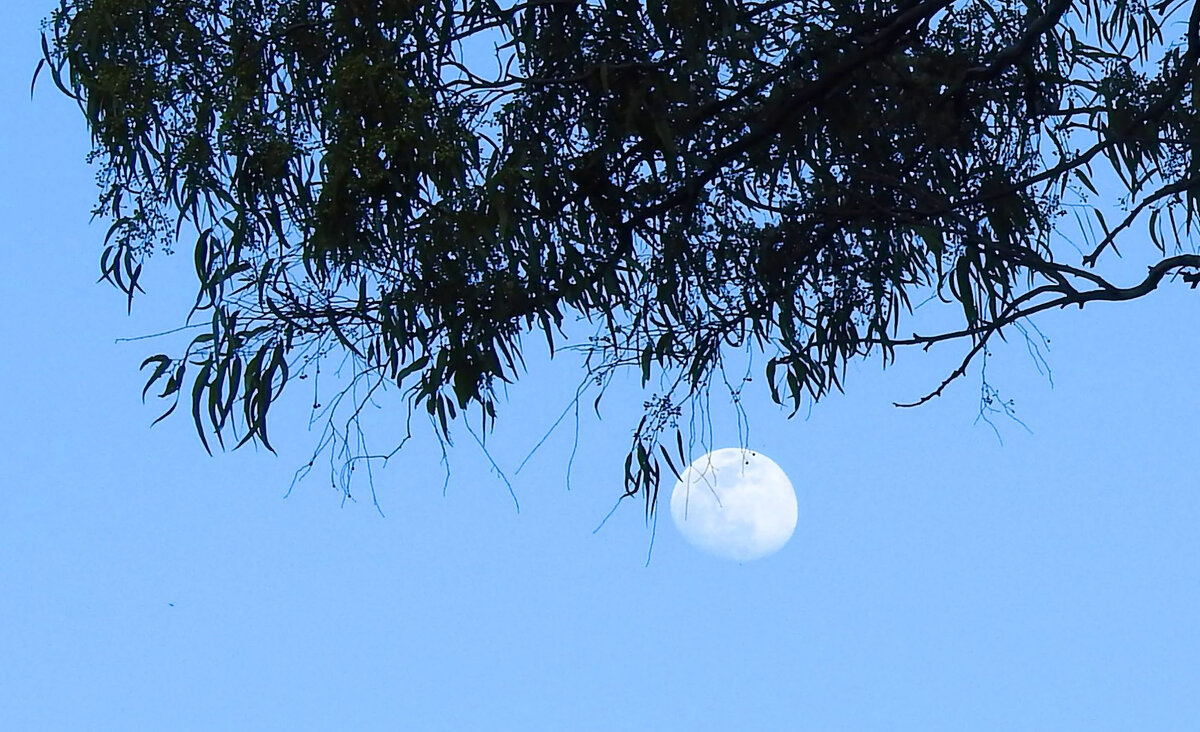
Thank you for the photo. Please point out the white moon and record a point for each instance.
(735, 503)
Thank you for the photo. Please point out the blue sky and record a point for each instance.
(937, 579)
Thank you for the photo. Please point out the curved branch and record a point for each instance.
(1014, 313)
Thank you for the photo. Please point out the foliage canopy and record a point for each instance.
(424, 184)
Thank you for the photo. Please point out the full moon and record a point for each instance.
(735, 503)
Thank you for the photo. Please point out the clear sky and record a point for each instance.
(937, 580)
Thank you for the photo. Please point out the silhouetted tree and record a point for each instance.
(423, 184)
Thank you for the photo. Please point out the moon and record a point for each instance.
(735, 503)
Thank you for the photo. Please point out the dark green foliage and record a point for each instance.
(421, 184)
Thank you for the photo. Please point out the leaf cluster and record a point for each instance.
(421, 185)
